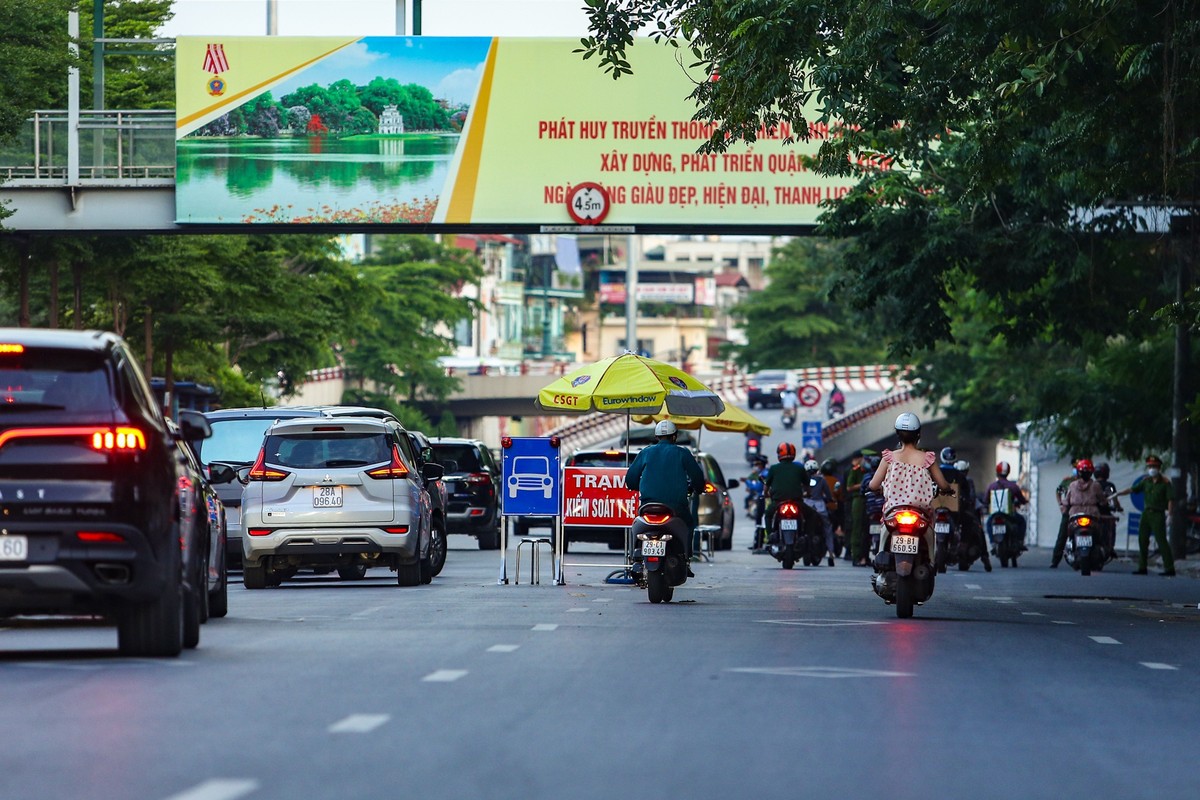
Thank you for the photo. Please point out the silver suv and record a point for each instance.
(341, 493)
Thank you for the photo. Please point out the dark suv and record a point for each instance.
(472, 477)
(100, 516)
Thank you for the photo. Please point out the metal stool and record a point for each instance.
(535, 557)
(708, 536)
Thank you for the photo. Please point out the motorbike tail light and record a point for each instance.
(479, 478)
(1083, 522)
(789, 509)
(261, 472)
(656, 519)
(907, 521)
(752, 442)
(709, 488)
(395, 469)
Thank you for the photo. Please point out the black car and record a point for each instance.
(766, 388)
(472, 477)
(237, 435)
(90, 482)
(195, 489)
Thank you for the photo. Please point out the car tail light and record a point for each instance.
(656, 519)
(479, 478)
(100, 537)
(104, 439)
(1083, 522)
(259, 531)
(710, 488)
(395, 469)
(396, 529)
(118, 439)
(261, 472)
(9, 349)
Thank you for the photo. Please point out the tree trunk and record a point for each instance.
(23, 284)
(77, 286)
(52, 321)
(148, 330)
(169, 376)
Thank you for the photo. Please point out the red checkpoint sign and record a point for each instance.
(597, 496)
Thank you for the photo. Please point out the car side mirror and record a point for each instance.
(243, 474)
(433, 472)
(195, 426)
(221, 473)
(733, 483)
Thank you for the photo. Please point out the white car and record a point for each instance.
(339, 493)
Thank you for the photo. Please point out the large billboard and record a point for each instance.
(487, 132)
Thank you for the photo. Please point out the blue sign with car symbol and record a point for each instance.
(530, 477)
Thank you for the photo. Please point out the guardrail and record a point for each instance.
(125, 147)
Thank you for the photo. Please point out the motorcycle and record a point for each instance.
(788, 418)
(945, 531)
(904, 574)
(971, 546)
(796, 536)
(753, 447)
(660, 558)
(1007, 543)
(1085, 549)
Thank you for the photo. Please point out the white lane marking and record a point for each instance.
(359, 723)
(545, 626)
(975, 587)
(1103, 640)
(806, 597)
(444, 675)
(218, 789)
(602, 600)
(1156, 665)
(822, 672)
(997, 599)
(1062, 622)
(1032, 614)
(576, 610)
(821, 623)
(366, 612)
(503, 648)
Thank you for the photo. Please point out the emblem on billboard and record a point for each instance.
(680, 382)
(216, 63)
(581, 380)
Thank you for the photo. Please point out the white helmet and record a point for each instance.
(665, 428)
(908, 422)
(811, 465)
(962, 466)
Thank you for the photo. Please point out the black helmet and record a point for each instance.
(828, 466)
(1102, 470)
(948, 456)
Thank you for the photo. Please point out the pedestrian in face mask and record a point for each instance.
(1158, 497)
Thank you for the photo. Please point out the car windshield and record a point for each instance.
(463, 457)
(235, 441)
(54, 380)
(324, 450)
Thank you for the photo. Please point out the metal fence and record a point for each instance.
(118, 147)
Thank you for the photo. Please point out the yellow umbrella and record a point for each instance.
(732, 420)
(630, 384)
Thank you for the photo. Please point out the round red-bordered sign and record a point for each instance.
(588, 203)
(809, 395)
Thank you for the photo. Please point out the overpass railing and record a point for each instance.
(115, 147)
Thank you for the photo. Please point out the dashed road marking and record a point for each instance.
(822, 623)
(822, 672)
(359, 723)
(576, 610)
(1156, 665)
(974, 587)
(545, 626)
(995, 599)
(366, 612)
(1062, 622)
(444, 676)
(1103, 640)
(602, 600)
(218, 789)
(503, 648)
(1032, 614)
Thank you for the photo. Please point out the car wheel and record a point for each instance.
(354, 572)
(437, 547)
(155, 628)
(408, 574)
(218, 601)
(489, 539)
(254, 577)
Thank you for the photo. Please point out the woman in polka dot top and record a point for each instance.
(909, 475)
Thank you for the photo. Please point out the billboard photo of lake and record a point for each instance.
(366, 135)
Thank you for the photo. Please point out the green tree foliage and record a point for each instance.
(988, 140)
(412, 311)
(798, 320)
(132, 77)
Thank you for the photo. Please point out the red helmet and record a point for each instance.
(786, 451)
(1002, 469)
(1084, 465)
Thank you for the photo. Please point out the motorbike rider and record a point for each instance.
(789, 402)
(666, 473)
(1084, 495)
(836, 506)
(1110, 507)
(837, 402)
(1005, 497)
(1060, 542)
(758, 471)
(856, 513)
(973, 507)
(819, 497)
(785, 481)
(909, 476)
(756, 488)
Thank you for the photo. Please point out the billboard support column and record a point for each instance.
(401, 15)
(631, 308)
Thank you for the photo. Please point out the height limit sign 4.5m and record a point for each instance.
(588, 203)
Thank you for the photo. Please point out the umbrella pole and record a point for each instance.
(629, 530)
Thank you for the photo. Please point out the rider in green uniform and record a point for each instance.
(1158, 496)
